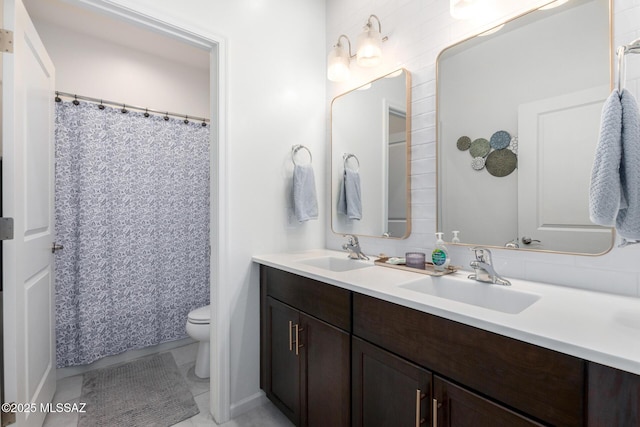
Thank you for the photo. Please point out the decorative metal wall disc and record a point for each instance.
(500, 140)
(477, 163)
(501, 162)
(480, 148)
(464, 142)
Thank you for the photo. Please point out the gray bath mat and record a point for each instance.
(146, 392)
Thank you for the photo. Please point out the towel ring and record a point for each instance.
(294, 151)
(346, 157)
(633, 47)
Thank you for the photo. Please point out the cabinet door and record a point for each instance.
(457, 407)
(283, 377)
(325, 352)
(388, 391)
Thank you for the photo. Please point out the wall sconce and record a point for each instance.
(462, 9)
(369, 44)
(338, 61)
(368, 52)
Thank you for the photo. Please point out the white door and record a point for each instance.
(28, 185)
(556, 146)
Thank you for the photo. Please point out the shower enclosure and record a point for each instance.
(132, 213)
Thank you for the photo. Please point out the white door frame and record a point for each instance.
(220, 388)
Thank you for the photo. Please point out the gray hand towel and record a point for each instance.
(614, 195)
(605, 190)
(628, 220)
(305, 201)
(350, 198)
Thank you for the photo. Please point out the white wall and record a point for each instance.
(89, 66)
(418, 30)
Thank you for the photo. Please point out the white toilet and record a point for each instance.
(198, 328)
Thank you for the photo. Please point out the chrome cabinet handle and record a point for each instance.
(290, 336)
(55, 247)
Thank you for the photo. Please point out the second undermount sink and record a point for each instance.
(336, 264)
(493, 297)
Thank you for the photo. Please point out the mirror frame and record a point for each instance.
(408, 156)
(438, 141)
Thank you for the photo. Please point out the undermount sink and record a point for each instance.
(493, 297)
(336, 264)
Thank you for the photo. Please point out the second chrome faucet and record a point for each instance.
(483, 268)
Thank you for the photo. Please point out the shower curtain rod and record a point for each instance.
(127, 106)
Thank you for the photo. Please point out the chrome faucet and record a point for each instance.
(483, 268)
(353, 247)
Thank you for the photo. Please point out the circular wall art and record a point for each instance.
(500, 140)
(480, 148)
(463, 144)
(501, 162)
(477, 163)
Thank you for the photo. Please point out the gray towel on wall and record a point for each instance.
(614, 195)
(305, 201)
(350, 198)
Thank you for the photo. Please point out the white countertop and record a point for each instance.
(599, 327)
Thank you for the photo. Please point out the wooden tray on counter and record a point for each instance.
(428, 267)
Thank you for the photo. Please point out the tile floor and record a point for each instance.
(69, 389)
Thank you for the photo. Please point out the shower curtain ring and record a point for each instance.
(204, 123)
(186, 120)
(124, 109)
(75, 101)
(166, 117)
(146, 112)
(101, 106)
(57, 98)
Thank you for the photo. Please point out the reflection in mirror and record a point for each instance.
(518, 121)
(370, 148)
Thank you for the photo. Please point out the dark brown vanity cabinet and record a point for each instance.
(330, 357)
(305, 348)
(543, 384)
(455, 406)
(388, 391)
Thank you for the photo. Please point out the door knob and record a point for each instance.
(55, 247)
(529, 240)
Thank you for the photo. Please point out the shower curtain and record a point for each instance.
(132, 212)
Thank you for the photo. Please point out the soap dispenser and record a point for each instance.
(455, 239)
(440, 255)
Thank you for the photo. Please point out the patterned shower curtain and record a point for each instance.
(132, 212)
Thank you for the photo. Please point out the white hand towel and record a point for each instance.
(350, 197)
(305, 201)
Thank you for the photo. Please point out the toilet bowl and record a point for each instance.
(198, 328)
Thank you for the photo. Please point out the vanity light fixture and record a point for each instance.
(338, 61)
(462, 9)
(369, 44)
(368, 51)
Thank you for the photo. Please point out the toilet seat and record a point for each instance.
(200, 316)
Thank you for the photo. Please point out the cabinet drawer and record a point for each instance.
(326, 302)
(543, 383)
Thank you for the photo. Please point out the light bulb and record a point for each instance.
(369, 47)
(338, 64)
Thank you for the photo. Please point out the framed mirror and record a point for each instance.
(518, 117)
(370, 158)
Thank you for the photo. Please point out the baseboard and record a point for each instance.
(245, 405)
